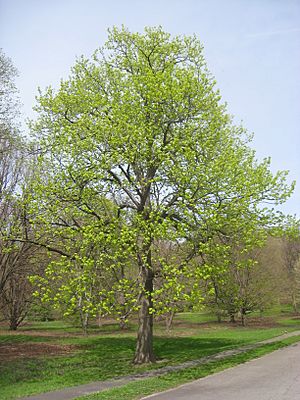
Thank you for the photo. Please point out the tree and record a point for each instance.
(141, 124)
(16, 298)
(291, 261)
(243, 287)
(80, 278)
(231, 266)
(9, 105)
(15, 256)
(271, 274)
(11, 158)
(19, 257)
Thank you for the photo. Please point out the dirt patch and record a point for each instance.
(41, 333)
(11, 351)
(251, 322)
(261, 322)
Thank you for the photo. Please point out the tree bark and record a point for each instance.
(99, 321)
(13, 325)
(294, 302)
(169, 320)
(243, 317)
(122, 323)
(85, 323)
(144, 347)
(84, 320)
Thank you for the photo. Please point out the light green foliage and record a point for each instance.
(87, 277)
(138, 151)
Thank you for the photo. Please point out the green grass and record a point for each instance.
(291, 321)
(67, 327)
(138, 389)
(108, 352)
(9, 339)
(196, 317)
(275, 310)
(50, 326)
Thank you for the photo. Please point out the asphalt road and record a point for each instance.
(275, 376)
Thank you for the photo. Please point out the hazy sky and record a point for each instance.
(252, 48)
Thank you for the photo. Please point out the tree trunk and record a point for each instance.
(232, 318)
(13, 324)
(294, 302)
(84, 319)
(122, 323)
(169, 320)
(144, 347)
(243, 317)
(14, 316)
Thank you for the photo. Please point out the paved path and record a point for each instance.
(275, 376)
(76, 391)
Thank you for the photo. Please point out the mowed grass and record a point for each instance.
(108, 352)
(138, 389)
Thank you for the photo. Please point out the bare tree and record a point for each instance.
(16, 299)
(11, 160)
(15, 256)
(291, 258)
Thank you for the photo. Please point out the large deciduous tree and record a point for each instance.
(141, 125)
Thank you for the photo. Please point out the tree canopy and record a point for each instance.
(138, 151)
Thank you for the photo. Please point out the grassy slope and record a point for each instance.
(139, 389)
(109, 354)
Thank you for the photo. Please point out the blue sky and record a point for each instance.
(252, 47)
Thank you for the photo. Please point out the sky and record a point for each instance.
(252, 47)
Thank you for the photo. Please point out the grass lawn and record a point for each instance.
(139, 389)
(54, 355)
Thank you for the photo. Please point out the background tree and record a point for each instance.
(11, 158)
(10, 141)
(272, 273)
(231, 267)
(291, 261)
(16, 298)
(141, 124)
(9, 103)
(16, 257)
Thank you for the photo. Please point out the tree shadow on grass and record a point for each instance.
(168, 349)
(101, 358)
(183, 349)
